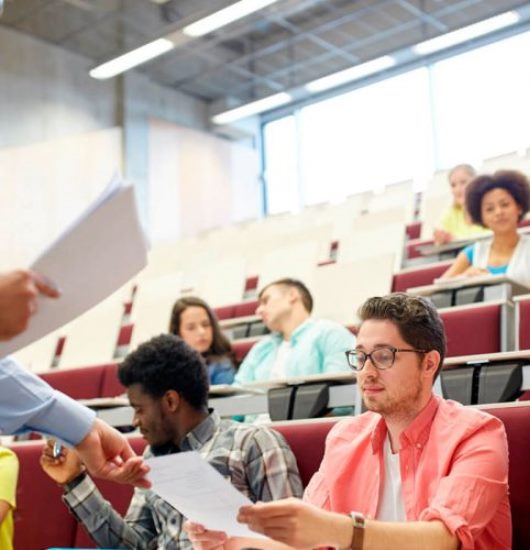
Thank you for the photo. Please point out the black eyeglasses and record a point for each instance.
(382, 358)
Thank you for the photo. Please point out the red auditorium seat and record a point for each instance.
(245, 308)
(421, 276)
(413, 230)
(523, 328)
(225, 312)
(242, 348)
(41, 520)
(80, 383)
(125, 335)
(251, 283)
(473, 330)
(110, 385)
(412, 248)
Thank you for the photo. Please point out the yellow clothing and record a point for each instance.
(8, 489)
(454, 222)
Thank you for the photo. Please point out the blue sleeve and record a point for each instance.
(29, 403)
(468, 251)
(221, 372)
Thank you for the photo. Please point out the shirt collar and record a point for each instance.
(417, 432)
(197, 438)
(194, 440)
(300, 329)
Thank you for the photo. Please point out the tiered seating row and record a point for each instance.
(38, 526)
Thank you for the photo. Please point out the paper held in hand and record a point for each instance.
(103, 249)
(199, 492)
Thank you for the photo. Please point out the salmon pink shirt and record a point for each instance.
(453, 465)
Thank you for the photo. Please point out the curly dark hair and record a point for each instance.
(415, 317)
(512, 181)
(167, 363)
(221, 346)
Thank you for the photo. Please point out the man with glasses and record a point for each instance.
(415, 471)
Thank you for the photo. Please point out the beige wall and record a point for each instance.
(45, 186)
(198, 181)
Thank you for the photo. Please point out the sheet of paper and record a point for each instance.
(199, 492)
(98, 254)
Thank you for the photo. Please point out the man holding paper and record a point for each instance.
(27, 402)
(167, 385)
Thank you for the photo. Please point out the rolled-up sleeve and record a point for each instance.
(476, 488)
(29, 403)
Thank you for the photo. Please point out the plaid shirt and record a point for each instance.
(257, 461)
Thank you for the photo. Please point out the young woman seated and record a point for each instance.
(455, 223)
(497, 202)
(194, 321)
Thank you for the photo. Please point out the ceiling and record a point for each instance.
(281, 47)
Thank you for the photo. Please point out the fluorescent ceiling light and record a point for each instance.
(253, 108)
(132, 59)
(467, 33)
(225, 16)
(349, 75)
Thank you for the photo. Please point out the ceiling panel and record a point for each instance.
(282, 46)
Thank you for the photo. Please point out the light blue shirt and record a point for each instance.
(29, 403)
(317, 347)
(493, 269)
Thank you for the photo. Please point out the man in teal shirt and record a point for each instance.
(298, 345)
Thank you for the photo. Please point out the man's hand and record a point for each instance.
(107, 454)
(64, 468)
(297, 523)
(203, 539)
(18, 300)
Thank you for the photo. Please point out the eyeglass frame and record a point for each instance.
(374, 363)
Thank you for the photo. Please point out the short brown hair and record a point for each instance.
(512, 181)
(415, 317)
(305, 295)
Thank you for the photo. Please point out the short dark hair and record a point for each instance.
(307, 299)
(512, 181)
(415, 317)
(221, 346)
(167, 363)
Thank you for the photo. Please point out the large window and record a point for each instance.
(367, 138)
(462, 109)
(481, 102)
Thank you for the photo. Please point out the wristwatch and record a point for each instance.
(357, 540)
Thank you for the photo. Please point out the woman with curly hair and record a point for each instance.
(194, 321)
(497, 202)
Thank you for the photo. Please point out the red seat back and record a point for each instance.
(41, 519)
(81, 383)
(418, 277)
(524, 324)
(473, 330)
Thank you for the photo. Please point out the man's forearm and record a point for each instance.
(412, 535)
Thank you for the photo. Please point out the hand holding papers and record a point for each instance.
(199, 492)
(100, 252)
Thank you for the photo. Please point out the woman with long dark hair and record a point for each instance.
(194, 321)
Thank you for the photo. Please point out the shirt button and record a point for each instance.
(418, 445)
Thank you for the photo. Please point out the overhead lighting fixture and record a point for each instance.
(253, 108)
(467, 33)
(132, 59)
(225, 16)
(349, 75)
